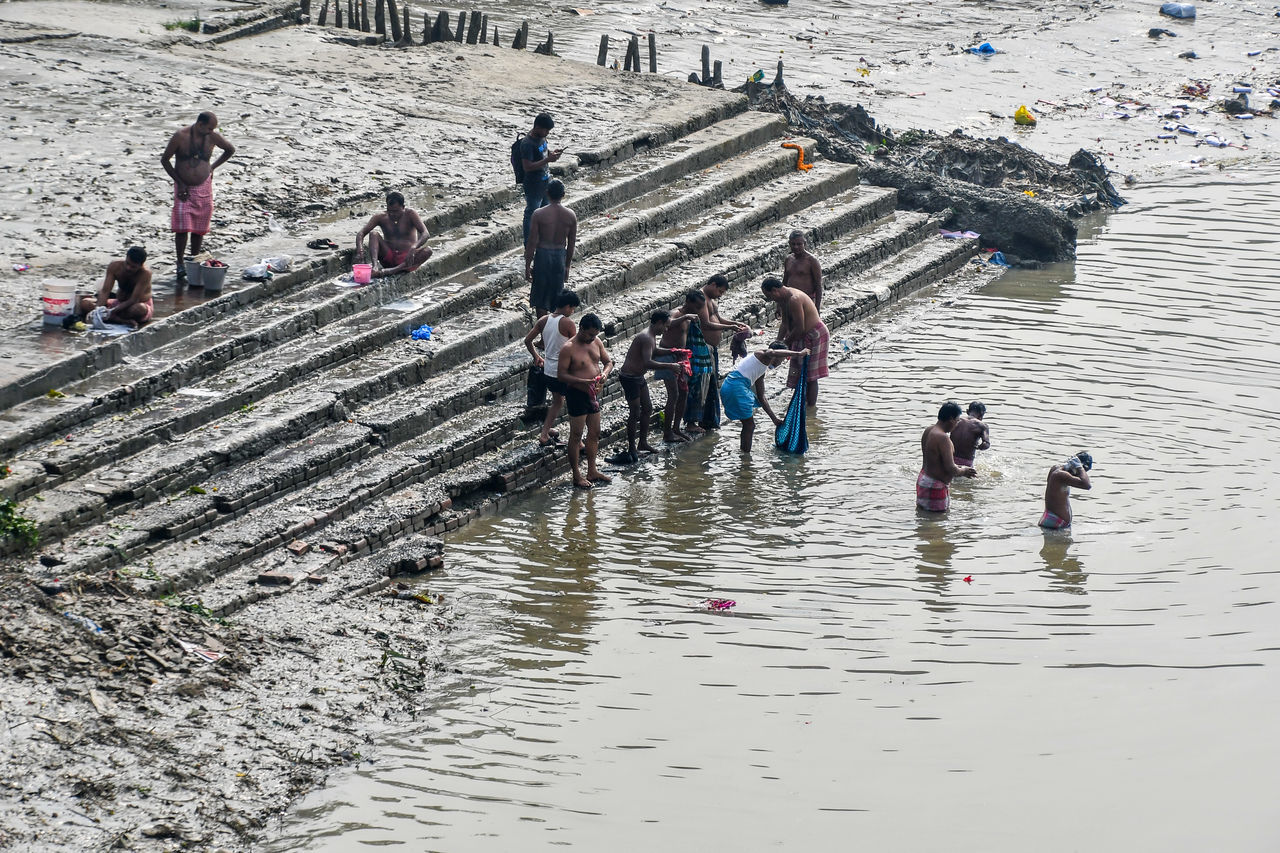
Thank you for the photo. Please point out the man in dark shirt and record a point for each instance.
(537, 159)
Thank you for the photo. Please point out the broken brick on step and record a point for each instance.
(297, 547)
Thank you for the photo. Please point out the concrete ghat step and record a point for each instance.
(239, 438)
(196, 341)
(647, 145)
(433, 454)
(380, 372)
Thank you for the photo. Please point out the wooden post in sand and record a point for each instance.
(715, 75)
(364, 17)
(548, 47)
(462, 26)
(353, 22)
(442, 31)
(426, 28)
(484, 29)
(380, 17)
(393, 19)
(603, 55)
(777, 80)
(337, 14)
(706, 64)
(634, 49)
(495, 35)
(473, 28)
(653, 54)
(522, 37)
(305, 7)
(324, 11)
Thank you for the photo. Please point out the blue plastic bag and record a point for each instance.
(422, 333)
(985, 49)
(1178, 10)
(997, 259)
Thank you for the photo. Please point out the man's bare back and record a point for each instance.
(677, 334)
(968, 437)
(640, 354)
(798, 314)
(939, 461)
(553, 225)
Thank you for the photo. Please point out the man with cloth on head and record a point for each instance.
(190, 150)
(548, 249)
(1057, 490)
(933, 485)
(801, 328)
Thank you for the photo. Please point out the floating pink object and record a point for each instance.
(720, 603)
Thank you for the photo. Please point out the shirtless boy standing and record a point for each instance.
(548, 250)
(676, 378)
(802, 271)
(131, 305)
(186, 160)
(556, 329)
(640, 360)
(402, 245)
(933, 485)
(1057, 490)
(584, 368)
(971, 435)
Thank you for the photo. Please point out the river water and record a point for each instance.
(889, 680)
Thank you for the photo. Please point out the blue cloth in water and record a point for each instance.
(791, 436)
(1178, 10)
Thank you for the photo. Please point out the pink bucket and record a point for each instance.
(362, 273)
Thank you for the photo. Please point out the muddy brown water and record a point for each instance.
(906, 681)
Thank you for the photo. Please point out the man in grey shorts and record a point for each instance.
(548, 251)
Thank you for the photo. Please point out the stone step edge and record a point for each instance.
(916, 273)
(459, 257)
(89, 361)
(460, 303)
(409, 426)
(515, 475)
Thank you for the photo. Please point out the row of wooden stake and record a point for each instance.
(473, 28)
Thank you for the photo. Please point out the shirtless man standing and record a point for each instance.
(186, 159)
(402, 245)
(640, 360)
(703, 408)
(802, 271)
(801, 328)
(933, 485)
(548, 250)
(584, 367)
(132, 305)
(676, 377)
(971, 435)
(1057, 491)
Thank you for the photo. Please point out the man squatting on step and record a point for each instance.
(131, 305)
(970, 435)
(584, 368)
(402, 245)
(190, 150)
(1057, 490)
(801, 328)
(933, 485)
(548, 249)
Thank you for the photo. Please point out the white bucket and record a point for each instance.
(59, 301)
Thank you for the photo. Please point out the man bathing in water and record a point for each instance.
(971, 435)
(402, 245)
(548, 250)
(800, 328)
(802, 271)
(933, 485)
(584, 367)
(1057, 490)
(131, 305)
(186, 160)
(743, 390)
(676, 377)
(640, 360)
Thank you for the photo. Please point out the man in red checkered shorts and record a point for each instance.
(186, 159)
